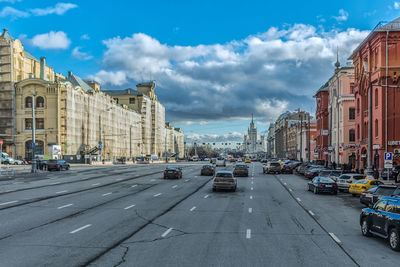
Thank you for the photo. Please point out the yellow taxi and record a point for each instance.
(362, 185)
(247, 161)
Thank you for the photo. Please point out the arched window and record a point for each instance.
(28, 102)
(352, 135)
(376, 128)
(40, 102)
(376, 97)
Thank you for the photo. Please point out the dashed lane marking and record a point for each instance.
(187, 180)
(252, 188)
(290, 189)
(106, 194)
(80, 229)
(9, 202)
(156, 195)
(311, 213)
(131, 206)
(95, 184)
(175, 186)
(55, 183)
(152, 180)
(251, 197)
(250, 210)
(285, 183)
(298, 199)
(60, 192)
(166, 232)
(133, 185)
(68, 205)
(119, 179)
(248, 233)
(337, 240)
(206, 196)
(192, 209)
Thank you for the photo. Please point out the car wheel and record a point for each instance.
(214, 189)
(67, 168)
(341, 190)
(334, 192)
(394, 239)
(354, 195)
(315, 191)
(365, 228)
(59, 169)
(234, 189)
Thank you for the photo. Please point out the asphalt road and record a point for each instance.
(130, 216)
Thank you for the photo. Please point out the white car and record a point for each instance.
(18, 162)
(345, 180)
(220, 162)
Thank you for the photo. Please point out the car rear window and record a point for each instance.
(172, 168)
(326, 180)
(344, 177)
(52, 161)
(207, 166)
(241, 167)
(362, 182)
(220, 158)
(225, 175)
(275, 164)
(358, 177)
(336, 173)
(385, 191)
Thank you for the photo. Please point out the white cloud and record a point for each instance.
(51, 40)
(85, 36)
(396, 5)
(265, 73)
(13, 13)
(76, 53)
(59, 9)
(10, 1)
(109, 77)
(343, 15)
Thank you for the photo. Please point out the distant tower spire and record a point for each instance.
(252, 117)
(337, 64)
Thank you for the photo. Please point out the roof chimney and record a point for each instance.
(42, 67)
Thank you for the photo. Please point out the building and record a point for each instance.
(377, 67)
(305, 140)
(16, 64)
(322, 117)
(342, 115)
(251, 143)
(271, 141)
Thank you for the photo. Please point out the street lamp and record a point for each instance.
(369, 163)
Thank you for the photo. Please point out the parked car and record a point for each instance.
(220, 162)
(313, 172)
(207, 169)
(393, 172)
(322, 185)
(173, 172)
(18, 162)
(289, 167)
(272, 167)
(362, 185)
(383, 220)
(57, 164)
(247, 161)
(9, 161)
(345, 180)
(213, 160)
(301, 169)
(372, 196)
(224, 180)
(241, 170)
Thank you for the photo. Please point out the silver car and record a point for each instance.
(345, 180)
(224, 180)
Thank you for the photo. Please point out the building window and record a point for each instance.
(28, 124)
(40, 102)
(352, 135)
(116, 100)
(28, 102)
(376, 128)
(131, 100)
(376, 97)
(352, 114)
(40, 124)
(358, 106)
(358, 131)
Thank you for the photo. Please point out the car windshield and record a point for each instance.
(207, 166)
(325, 180)
(336, 173)
(52, 161)
(362, 182)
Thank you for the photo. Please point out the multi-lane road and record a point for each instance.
(130, 216)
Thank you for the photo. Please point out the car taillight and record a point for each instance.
(212, 169)
(349, 181)
(334, 185)
(176, 171)
(165, 171)
(320, 184)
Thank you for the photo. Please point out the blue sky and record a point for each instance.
(215, 62)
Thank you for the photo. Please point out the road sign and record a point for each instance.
(1, 142)
(316, 150)
(388, 156)
(388, 163)
(100, 144)
(375, 147)
(32, 144)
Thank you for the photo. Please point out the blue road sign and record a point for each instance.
(100, 146)
(32, 144)
(388, 156)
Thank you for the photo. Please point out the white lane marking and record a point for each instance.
(68, 205)
(106, 194)
(55, 183)
(280, 179)
(152, 180)
(134, 185)
(95, 184)
(312, 213)
(166, 232)
(156, 195)
(175, 186)
(251, 197)
(131, 206)
(60, 192)
(298, 199)
(80, 228)
(248, 233)
(252, 188)
(9, 202)
(285, 183)
(206, 196)
(250, 210)
(290, 189)
(251, 182)
(187, 180)
(192, 209)
(119, 179)
(335, 238)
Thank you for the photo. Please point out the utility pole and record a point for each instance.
(33, 144)
(100, 143)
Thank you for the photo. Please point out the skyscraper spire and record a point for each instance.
(337, 64)
(251, 117)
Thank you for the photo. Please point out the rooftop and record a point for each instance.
(77, 81)
(128, 91)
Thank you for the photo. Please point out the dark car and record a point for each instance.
(289, 167)
(313, 172)
(172, 172)
(393, 172)
(322, 185)
(372, 196)
(383, 220)
(241, 170)
(207, 170)
(57, 164)
(272, 167)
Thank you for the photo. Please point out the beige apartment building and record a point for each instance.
(77, 116)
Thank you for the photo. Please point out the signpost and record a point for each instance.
(388, 164)
(1, 149)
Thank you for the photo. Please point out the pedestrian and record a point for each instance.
(334, 165)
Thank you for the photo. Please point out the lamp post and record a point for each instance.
(33, 144)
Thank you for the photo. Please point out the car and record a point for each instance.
(220, 162)
(322, 185)
(224, 180)
(272, 167)
(9, 161)
(173, 172)
(207, 169)
(57, 164)
(334, 175)
(393, 172)
(363, 185)
(345, 180)
(241, 170)
(18, 162)
(289, 167)
(383, 220)
(374, 194)
(213, 160)
(247, 161)
(313, 172)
